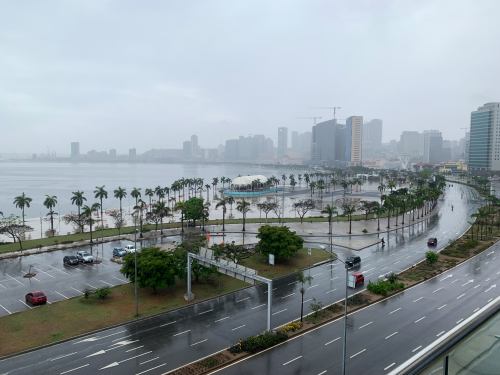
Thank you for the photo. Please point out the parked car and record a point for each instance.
(353, 262)
(119, 252)
(359, 279)
(70, 260)
(36, 298)
(432, 241)
(130, 249)
(85, 257)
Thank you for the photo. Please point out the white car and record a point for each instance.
(85, 257)
(130, 249)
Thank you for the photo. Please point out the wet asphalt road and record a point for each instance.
(162, 343)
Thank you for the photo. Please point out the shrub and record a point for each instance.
(316, 306)
(392, 278)
(431, 257)
(291, 327)
(364, 230)
(260, 342)
(384, 287)
(209, 362)
(102, 293)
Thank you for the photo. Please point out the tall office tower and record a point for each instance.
(323, 142)
(354, 140)
(411, 144)
(372, 135)
(195, 148)
(484, 143)
(295, 141)
(282, 141)
(75, 150)
(132, 154)
(433, 146)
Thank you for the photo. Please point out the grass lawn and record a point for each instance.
(65, 319)
(300, 261)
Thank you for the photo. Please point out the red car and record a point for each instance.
(36, 298)
(359, 279)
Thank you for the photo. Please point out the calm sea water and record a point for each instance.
(61, 179)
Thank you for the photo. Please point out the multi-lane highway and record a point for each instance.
(164, 342)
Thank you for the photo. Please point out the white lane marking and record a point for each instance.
(154, 368)
(477, 308)
(437, 290)
(221, 319)
(418, 299)
(3, 286)
(313, 286)
(477, 286)
(120, 338)
(455, 281)
(61, 294)
(461, 295)
(199, 342)
(16, 280)
(236, 328)
(418, 320)
(442, 307)
(288, 295)
(114, 364)
(459, 321)
(25, 304)
(317, 274)
(167, 324)
(137, 347)
(42, 271)
(256, 307)
(392, 334)
(292, 360)
(181, 333)
(331, 291)
(93, 287)
(440, 333)
(491, 287)
(414, 350)
(122, 280)
(388, 367)
(393, 311)
(74, 369)
(293, 282)
(468, 282)
(488, 279)
(79, 291)
(307, 300)
(149, 360)
(358, 353)
(368, 270)
(322, 373)
(336, 277)
(446, 277)
(62, 356)
(365, 325)
(278, 312)
(105, 282)
(205, 312)
(57, 269)
(332, 341)
(241, 300)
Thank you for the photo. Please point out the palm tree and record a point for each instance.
(243, 206)
(87, 212)
(348, 210)
(381, 189)
(22, 201)
(120, 193)
(136, 194)
(139, 211)
(215, 181)
(230, 201)
(330, 211)
(388, 206)
(179, 206)
(50, 202)
(222, 203)
(78, 199)
(379, 211)
(160, 210)
(160, 193)
(302, 279)
(207, 189)
(149, 193)
(100, 193)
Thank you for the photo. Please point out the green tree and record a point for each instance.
(136, 194)
(223, 203)
(78, 199)
(120, 194)
(348, 209)
(279, 241)
(156, 269)
(244, 207)
(330, 211)
(149, 193)
(22, 201)
(179, 206)
(13, 227)
(101, 194)
(303, 279)
(50, 202)
(193, 209)
(302, 207)
(158, 212)
(87, 212)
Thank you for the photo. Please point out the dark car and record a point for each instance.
(119, 252)
(36, 298)
(432, 241)
(70, 260)
(353, 262)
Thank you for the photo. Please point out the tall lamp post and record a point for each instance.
(135, 274)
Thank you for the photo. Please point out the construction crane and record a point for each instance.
(314, 118)
(331, 108)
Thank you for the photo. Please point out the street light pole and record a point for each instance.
(344, 350)
(135, 275)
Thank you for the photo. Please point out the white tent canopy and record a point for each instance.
(247, 180)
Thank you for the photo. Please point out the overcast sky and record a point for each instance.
(119, 74)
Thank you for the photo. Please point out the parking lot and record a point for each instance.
(57, 281)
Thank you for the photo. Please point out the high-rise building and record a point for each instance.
(187, 150)
(295, 141)
(195, 148)
(75, 150)
(132, 154)
(411, 144)
(323, 142)
(484, 144)
(282, 141)
(433, 146)
(372, 136)
(354, 140)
